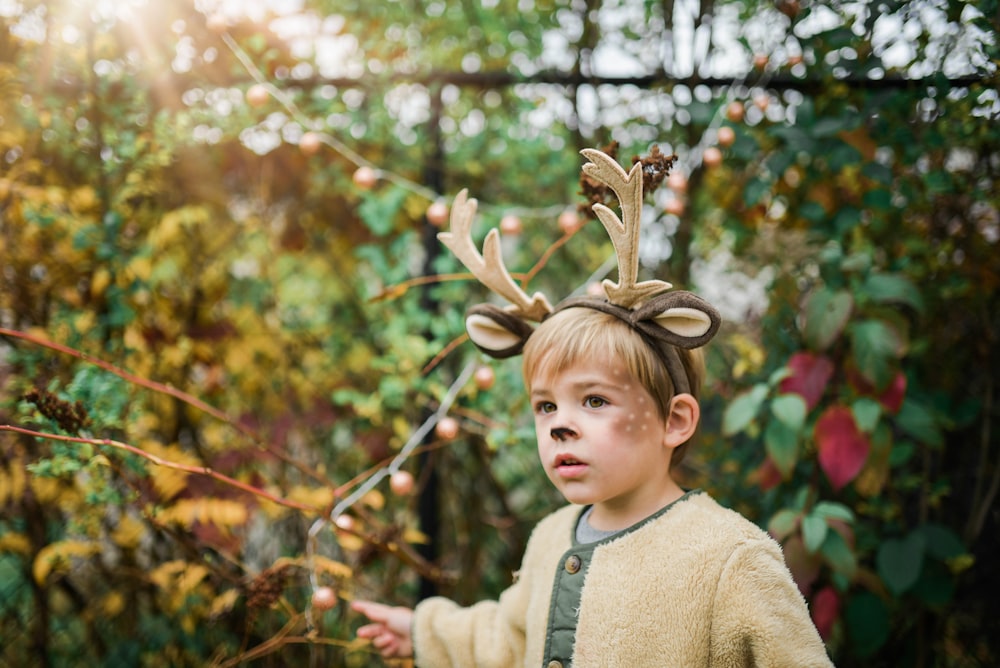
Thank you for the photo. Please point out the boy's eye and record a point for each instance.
(595, 402)
(545, 407)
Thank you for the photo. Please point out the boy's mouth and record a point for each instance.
(568, 466)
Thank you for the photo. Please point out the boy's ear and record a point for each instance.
(682, 421)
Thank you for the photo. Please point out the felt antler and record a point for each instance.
(624, 232)
(678, 319)
(489, 267)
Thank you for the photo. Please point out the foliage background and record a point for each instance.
(162, 218)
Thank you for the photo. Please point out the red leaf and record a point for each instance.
(810, 375)
(892, 398)
(767, 475)
(825, 610)
(842, 447)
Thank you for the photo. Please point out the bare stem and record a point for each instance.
(159, 461)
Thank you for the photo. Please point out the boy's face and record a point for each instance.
(602, 441)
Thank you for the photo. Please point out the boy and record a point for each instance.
(636, 571)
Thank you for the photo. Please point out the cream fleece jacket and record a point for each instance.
(694, 585)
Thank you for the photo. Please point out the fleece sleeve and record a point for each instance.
(759, 617)
(488, 634)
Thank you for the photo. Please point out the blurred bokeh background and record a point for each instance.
(233, 389)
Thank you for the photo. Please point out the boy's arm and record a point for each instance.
(489, 633)
(759, 616)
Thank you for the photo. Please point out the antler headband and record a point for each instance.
(678, 319)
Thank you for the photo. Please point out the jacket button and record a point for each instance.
(555, 664)
(573, 564)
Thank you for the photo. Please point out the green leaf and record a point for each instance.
(877, 172)
(867, 413)
(814, 530)
(782, 445)
(791, 410)
(878, 199)
(936, 585)
(899, 561)
(812, 211)
(755, 190)
(828, 126)
(833, 511)
(867, 621)
(378, 210)
(742, 410)
(846, 219)
(876, 346)
(827, 313)
(920, 422)
(839, 555)
(893, 289)
(941, 542)
(783, 523)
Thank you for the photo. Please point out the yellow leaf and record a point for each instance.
(113, 604)
(128, 532)
(133, 338)
(167, 481)
(15, 543)
(317, 497)
(401, 427)
(163, 575)
(349, 542)
(415, 536)
(191, 577)
(217, 436)
(334, 568)
(100, 281)
(220, 512)
(83, 200)
(56, 557)
(140, 268)
(223, 603)
(46, 490)
(85, 321)
(374, 499)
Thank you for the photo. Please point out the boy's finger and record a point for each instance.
(371, 610)
(370, 630)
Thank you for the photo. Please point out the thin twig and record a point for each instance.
(169, 390)
(159, 461)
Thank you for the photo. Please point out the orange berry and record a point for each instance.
(484, 378)
(257, 95)
(510, 225)
(712, 157)
(437, 214)
(324, 598)
(365, 177)
(310, 143)
(401, 483)
(447, 428)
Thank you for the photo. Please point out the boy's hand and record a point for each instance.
(390, 630)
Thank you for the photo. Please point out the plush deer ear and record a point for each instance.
(681, 318)
(498, 333)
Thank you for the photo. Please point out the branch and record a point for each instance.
(169, 390)
(159, 461)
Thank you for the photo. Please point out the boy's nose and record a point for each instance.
(562, 433)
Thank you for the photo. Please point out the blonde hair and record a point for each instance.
(583, 334)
